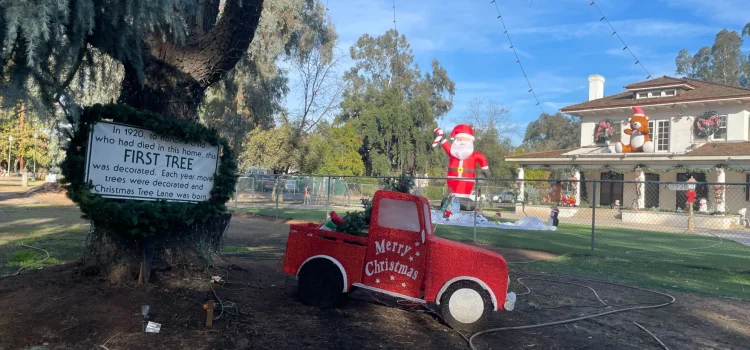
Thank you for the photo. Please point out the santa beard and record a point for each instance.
(462, 150)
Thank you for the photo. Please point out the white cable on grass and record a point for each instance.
(652, 335)
(679, 250)
(539, 325)
(556, 281)
(34, 263)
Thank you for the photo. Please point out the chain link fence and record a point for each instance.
(629, 229)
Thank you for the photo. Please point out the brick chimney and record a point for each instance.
(596, 87)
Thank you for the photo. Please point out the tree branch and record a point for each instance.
(207, 57)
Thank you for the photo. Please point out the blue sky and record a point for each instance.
(560, 43)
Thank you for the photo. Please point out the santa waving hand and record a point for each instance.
(462, 167)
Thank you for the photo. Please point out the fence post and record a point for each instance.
(593, 214)
(276, 188)
(476, 206)
(329, 191)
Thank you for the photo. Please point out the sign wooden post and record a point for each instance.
(210, 306)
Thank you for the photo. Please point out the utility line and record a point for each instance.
(518, 59)
(614, 33)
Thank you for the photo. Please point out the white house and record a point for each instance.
(673, 105)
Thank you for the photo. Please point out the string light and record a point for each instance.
(614, 33)
(518, 59)
(394, 15)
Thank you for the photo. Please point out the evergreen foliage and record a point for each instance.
(394, 105)
(62, 32)
(356, 223)
(723, 62)
(551, 132)
(130, 220)
(403, 184)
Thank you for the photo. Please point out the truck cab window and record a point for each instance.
(398, 214)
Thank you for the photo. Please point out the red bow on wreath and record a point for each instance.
(691, 196)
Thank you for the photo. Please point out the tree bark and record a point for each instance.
(171, 79)
(174, 77)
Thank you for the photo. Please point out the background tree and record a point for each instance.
(722, 63)
(295, 33)
(23, 130)
(243, 101)
(270, 149)
(550, 132)
(318, 81)
(493, 131)
(393, 105)
(339, 154)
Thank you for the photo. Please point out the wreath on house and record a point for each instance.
(707, 124)
(604, 131)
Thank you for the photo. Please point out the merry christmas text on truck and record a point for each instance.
(400, 257)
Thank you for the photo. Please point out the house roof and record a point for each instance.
(661, 81)
(703, 91)
(726, 149)
(544, 154)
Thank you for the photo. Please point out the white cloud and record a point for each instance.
(728, 13)
(650, 28)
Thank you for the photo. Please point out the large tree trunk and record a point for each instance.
(172, 82)
(175, 77)
(162, 89)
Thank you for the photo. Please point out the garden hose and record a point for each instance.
(539, 325)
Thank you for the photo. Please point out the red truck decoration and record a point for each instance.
(400, 257)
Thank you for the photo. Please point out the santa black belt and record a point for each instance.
(464, 171)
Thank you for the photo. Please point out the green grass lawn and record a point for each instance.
(56, 229)
(312, 215)
(722, 270)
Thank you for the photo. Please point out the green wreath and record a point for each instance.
(707, 124)
(132, 219)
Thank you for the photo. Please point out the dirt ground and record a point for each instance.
(59, 308)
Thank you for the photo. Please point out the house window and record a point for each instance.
(670, 92)
(721, 133)
(642, 95)
(617, 137)
(655, 94)
(659, 134)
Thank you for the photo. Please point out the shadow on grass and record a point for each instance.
(646, 258)
(57, 229)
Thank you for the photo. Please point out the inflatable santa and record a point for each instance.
(462, 166)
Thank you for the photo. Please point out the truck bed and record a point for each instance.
(309, 241)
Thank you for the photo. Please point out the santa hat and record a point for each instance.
(638, 112)
(462, 130)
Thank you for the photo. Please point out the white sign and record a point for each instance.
(127, 162)
(681, 187)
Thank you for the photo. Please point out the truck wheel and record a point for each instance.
(320, 283)
(465, 306)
